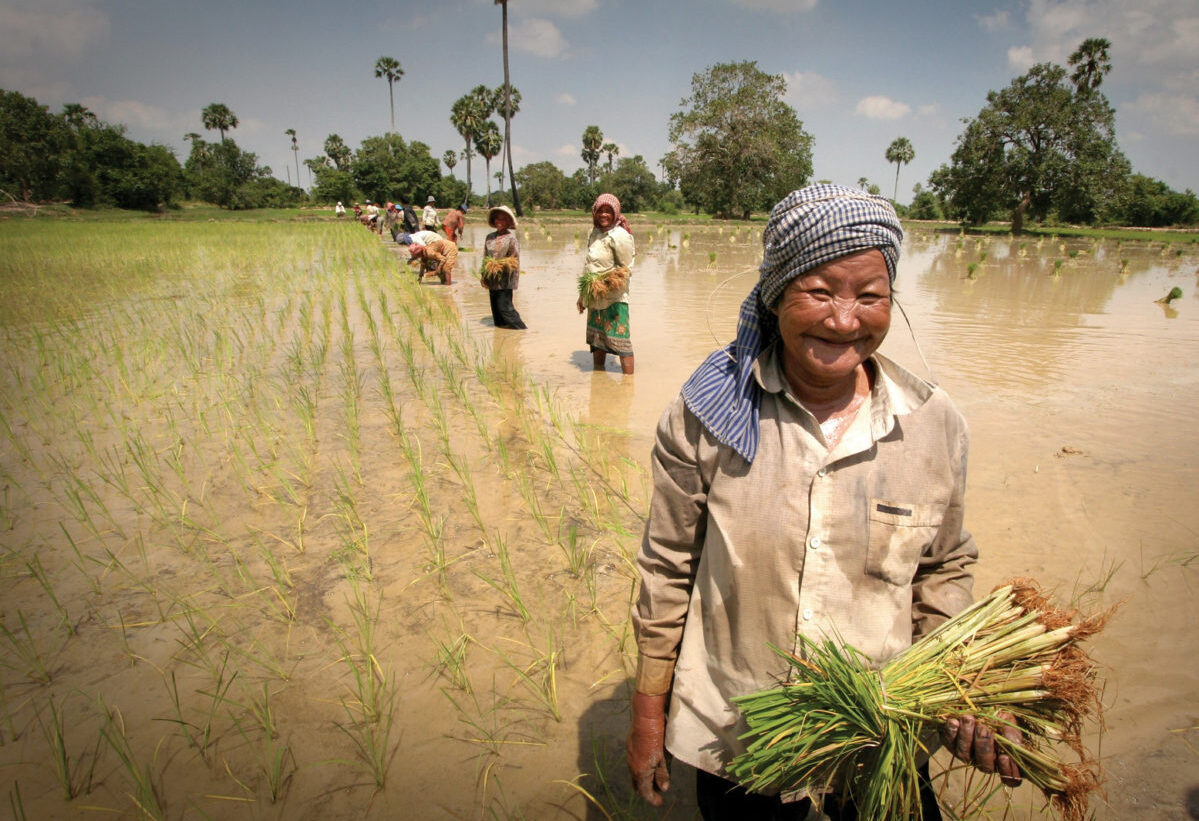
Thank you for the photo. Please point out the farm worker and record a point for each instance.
(408, 218)
(439, 257)
(454, 222)
(417, 238)
(429, 215)
(372, 214)
(501, 267)
(340, 210)
(802, 483)
(610, 250)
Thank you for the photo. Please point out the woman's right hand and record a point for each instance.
(579, 304)
(646, 749)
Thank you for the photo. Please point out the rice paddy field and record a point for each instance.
(286, 534)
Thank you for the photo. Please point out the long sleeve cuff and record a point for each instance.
(654, 676)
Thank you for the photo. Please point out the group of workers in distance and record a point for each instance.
(438, 255)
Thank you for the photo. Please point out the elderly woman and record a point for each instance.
(500, 272)
(604, 286)
(803, 485)
(454, 223)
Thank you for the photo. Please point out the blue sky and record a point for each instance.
(859, 72)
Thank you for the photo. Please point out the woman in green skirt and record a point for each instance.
(604, 286)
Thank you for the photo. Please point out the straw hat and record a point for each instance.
(497, 209)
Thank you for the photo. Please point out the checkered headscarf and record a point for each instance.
(807, 228)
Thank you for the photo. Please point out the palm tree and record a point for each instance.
(509, 108)
(389, 68)
(489, 142)
(450, 159)
(197, 151)
(218, 117)
(77, 116)
(900, 152)
(1090, 63)
(295, 149)
(338, 151)
(611, 149)
(467, 115)
(593, 138)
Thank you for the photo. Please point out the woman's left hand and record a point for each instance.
(972, 741)
(579, 305)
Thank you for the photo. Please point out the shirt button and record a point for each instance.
(807, 615)
(822, 472)
(814, 542)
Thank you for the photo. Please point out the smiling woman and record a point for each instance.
(804, 486)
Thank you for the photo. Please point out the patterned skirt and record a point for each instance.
(608, 329)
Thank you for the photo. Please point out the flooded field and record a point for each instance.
(287, 535)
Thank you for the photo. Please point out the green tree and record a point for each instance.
(634, 184)
(738, 147)
(925, 205)
(488, 142)
(32, 143)
(1153, 204)
(295, 149)
(467, 115)
(612, 150)
(901, 153)
(542, 183)
(338, 152)
(389, 69)
(450, 159)
(218, 117)
(1041, 146)
(387, 168)
(1091, 64)
(593, 140)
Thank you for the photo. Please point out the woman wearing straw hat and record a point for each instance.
(803, 485)
(500, 273)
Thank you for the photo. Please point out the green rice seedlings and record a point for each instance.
(275, 760)
(451, 660)
(1124, 265)
(23, 653)
(540, 676)
(145, 789)
(506, 585)
(971, 269)
(39, 573)
(1011, 659)
(75, 774)
(15, 803)
(199, 734)
(575, 549)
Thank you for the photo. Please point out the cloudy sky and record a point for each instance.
(859, 72)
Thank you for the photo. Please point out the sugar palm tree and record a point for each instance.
(612, 150)
(450, 159)
(467, 115)
(1090, 63)
(509, 108)
(218, 117)
(593, 139)
(900, 152)
(295, 149)
(489, 142)
(389, 69)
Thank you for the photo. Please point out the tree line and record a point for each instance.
(1043, 149)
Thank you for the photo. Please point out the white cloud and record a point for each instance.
(57, 30)
(930, 110)
(1021, 58)
(138, 115)
(558, 8)
(566, 98)
(809, 90)
(534, 35)
(778, 6)
(882, 108)
(1176, 114)
(994, 22)
(567, 150)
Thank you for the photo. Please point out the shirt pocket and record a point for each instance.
(899, 533)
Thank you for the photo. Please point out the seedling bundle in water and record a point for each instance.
(841, 726)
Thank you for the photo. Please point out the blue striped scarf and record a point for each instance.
(807, 228)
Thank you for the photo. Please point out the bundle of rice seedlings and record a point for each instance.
(601, 288)
(493, 269)
(1011, 659)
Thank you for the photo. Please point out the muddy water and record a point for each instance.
(1080, 392)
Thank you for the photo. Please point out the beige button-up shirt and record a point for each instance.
(865, 543)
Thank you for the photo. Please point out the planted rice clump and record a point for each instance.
(841, 726)
(493, 270)
(601, 288)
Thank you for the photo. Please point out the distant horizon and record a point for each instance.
(858, 75)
